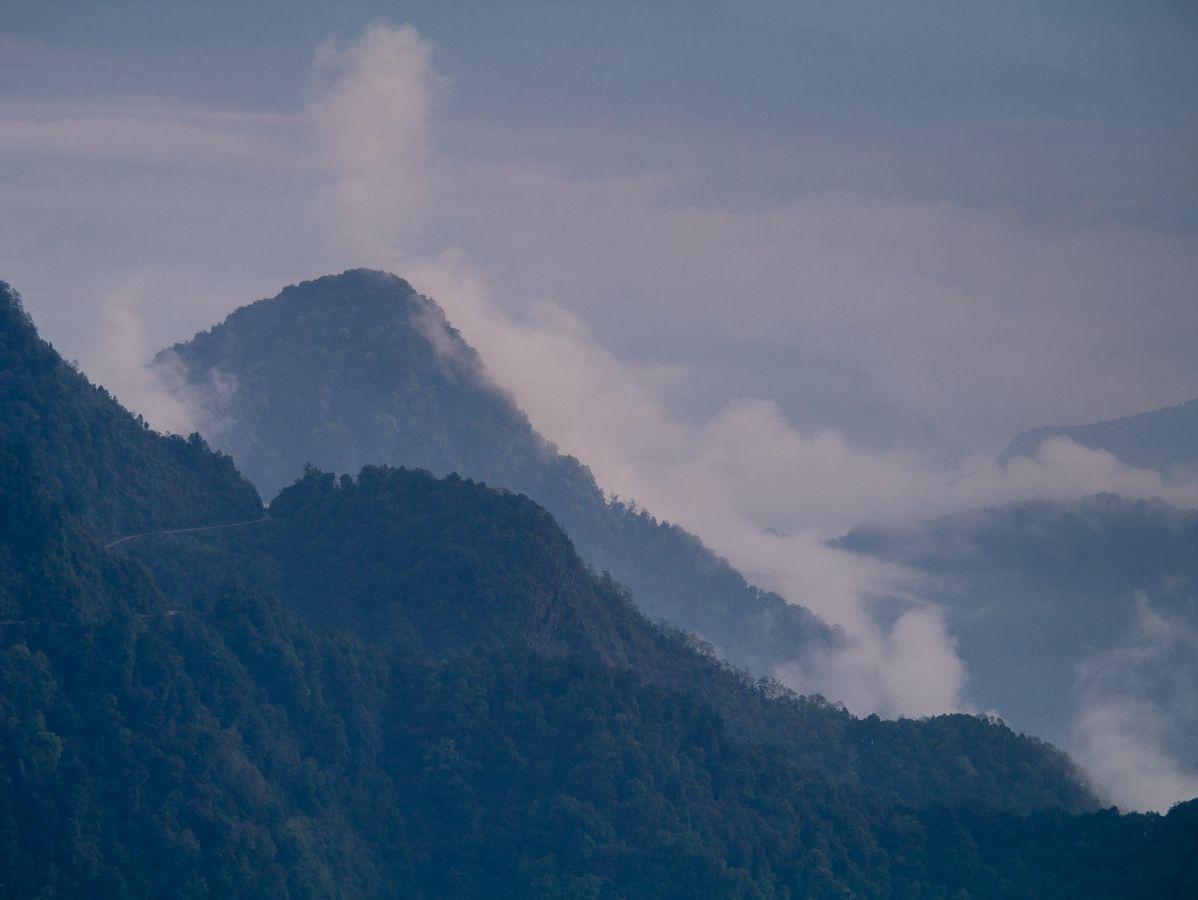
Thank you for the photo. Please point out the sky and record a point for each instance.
(931, 227)
(771, 269)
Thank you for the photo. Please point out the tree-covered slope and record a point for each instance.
(437, 567)
(211, 734)
(106, 467)
(358, 369)
(1162, 439)
(232, 750)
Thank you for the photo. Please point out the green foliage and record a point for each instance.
(436, 568)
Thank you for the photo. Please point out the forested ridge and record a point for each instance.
(466, 709)
(1162, 439)
(359, 369)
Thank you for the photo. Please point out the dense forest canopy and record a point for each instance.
(467, 710)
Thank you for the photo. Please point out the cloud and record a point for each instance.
(116, 354)
(370, 112)
(148, 134)
(979, 321)
(758, 490)
(1139, 713)
(767, 495)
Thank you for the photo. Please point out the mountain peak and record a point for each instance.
(347, 370)
(358, 369)
(363, 296)
(355, 286)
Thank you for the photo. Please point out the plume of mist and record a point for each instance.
(370, 114)
(1138, 713)
(115, 358)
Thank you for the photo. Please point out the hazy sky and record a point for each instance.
(771, 269)
(928, 225)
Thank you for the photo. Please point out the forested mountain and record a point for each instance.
(1036, 590)
(461, 709)
(435, 568)
(358, 369)
(1162, 439)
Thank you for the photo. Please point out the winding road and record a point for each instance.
(130, 537)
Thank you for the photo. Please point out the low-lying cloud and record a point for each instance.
(117, 355)
(761, 492)
(1139, 713)
(768, 496)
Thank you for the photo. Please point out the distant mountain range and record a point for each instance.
(399, 685)
(359, 369)
(1038, 593)
(1164, 439)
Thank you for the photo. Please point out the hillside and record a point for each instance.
(358, 369)
(438, 568)
(455, 714)
(1162, 439)
(233, 751)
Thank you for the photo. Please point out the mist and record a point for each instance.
(760, 491)
(1141, 751)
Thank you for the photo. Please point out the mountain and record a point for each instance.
(1164, 439)
(437, 568)
(1041, 594)
(403, 686)
(358, 369)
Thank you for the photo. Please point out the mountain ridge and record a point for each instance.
(173, 725)
(359, 369)
(1164, 439)
(48, 406)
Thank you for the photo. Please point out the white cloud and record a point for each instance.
(759, 491)
(980, 321)
(116, 354)
(1139, 714)
(370, 112)
(766, 495)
